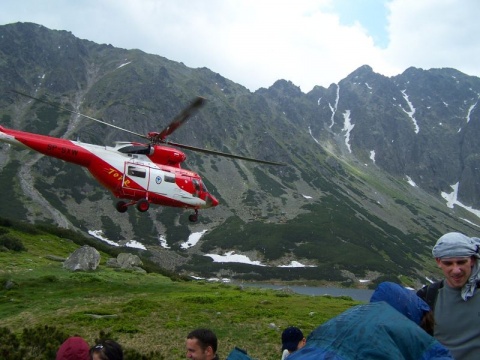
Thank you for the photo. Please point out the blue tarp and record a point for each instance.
(238, 354)
(371, 331)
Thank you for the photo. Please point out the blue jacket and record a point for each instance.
(371, 331)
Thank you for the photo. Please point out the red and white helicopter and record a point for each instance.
(141, 173)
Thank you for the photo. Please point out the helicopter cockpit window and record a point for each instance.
(137, 149)
(169, 178)
(196, 184)
(138, 172)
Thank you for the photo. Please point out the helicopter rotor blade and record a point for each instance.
(160, 137)
(179, 120)
(232, 156)
(77, 113)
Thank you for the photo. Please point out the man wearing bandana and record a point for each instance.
(456, 305)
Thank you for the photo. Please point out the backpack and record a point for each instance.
(429, 293)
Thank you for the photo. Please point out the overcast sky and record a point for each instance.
(256, 42)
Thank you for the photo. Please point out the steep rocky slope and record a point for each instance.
(372, 160)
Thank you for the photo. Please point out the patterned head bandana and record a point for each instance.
(455, 244)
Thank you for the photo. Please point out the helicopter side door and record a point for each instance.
(136, 176)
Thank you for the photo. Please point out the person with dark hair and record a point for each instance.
(292, 340)
(106, 350)
(74, 348)
(386, 328)
(455, 300)
(202, 344)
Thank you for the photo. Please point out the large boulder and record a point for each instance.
(126, 260)
(85, 258)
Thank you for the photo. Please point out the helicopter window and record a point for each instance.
(140, 149)
(134, 171)
(196, 184)
(169, 178)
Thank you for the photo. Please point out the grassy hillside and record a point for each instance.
(144, 312)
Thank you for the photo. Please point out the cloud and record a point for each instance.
(434, 34)
(255, 43)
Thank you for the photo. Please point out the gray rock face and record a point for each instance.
(85, 258)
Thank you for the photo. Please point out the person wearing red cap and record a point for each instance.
(74, 348)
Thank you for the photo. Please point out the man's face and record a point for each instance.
(457, 270)
(195, 351)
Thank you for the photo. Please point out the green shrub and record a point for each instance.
(48, 279)
(11, 242)
(10, 345)
(26, 227)
(5, 222)
(39, 343)
(42, 342)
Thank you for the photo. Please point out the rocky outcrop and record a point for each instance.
(85, 258)
(126, 261)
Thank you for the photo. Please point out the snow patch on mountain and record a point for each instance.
(410, 181)
(193, 239)
(452, 200)
(130, 243)
(335, 107)
(410, 112)
(347, 127)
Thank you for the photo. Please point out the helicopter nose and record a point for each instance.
(211, 200)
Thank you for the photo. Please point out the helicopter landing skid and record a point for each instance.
(142, 205)
(194, 217)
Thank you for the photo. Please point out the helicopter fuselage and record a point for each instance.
(142, 173)
(132, 171)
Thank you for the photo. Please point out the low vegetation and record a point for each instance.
(149, 314)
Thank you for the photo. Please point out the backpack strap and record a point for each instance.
(429, 293)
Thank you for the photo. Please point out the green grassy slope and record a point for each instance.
(144, 312)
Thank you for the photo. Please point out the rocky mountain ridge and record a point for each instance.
(372, 159)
